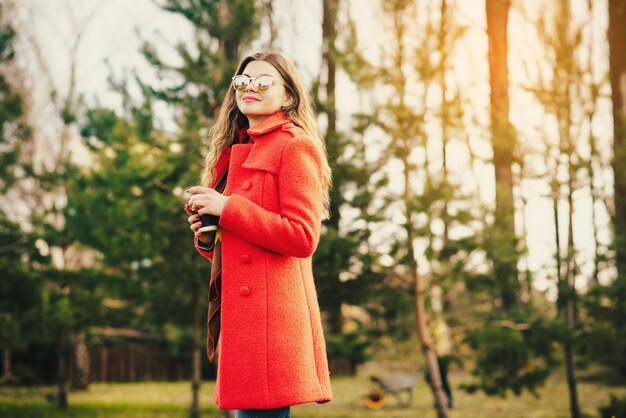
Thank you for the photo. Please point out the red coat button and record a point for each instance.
(246, 185)
(244, 291)
(245, 259)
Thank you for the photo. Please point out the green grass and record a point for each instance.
(113, 400)
(171, 400)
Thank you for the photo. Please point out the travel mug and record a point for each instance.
(209, 222)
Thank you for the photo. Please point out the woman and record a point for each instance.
(268, 180)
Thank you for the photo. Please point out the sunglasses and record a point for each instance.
(261, 83)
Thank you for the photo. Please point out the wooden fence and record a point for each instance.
(123, 355)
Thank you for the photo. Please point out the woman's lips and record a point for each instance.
(249, 99)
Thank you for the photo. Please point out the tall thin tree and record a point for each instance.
(617, 68)
(403, 124)
(561, 97)
(329, 35)
(503, 143)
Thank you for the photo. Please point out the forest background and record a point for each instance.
(478, 159)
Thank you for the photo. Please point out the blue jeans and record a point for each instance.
(264, 413)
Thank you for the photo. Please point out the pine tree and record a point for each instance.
(402, 80)
(562, 97)
(20, 286)
(344, 262)
(503, 331)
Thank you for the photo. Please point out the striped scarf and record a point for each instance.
(215, 285)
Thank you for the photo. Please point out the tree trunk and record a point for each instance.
(329, 34)
(570, 299)
(329, 72)
(441, 402)
(445, 117)
(81, 364)
(595, 194)
(6, 363)
(445, 124)
(62, 374)
(271, 23)
(617, 68)
(554, 185)
(594, 156)
(197, 365)
(229, 44)
(503, 143)
(7, 374)
(563, 88)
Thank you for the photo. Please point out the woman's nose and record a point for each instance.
(250, 86)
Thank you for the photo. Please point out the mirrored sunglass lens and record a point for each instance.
(263, 83)
(240, 83)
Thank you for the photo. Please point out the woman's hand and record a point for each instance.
(194, 224)
(206, 201)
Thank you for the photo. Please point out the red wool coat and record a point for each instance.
(272, 349)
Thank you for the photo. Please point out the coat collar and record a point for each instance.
(266, 152)
(271, 123)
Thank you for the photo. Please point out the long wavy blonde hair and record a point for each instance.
(300, 111)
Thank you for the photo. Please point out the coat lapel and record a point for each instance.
(266, 153)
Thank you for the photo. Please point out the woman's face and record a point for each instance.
(258, 105)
